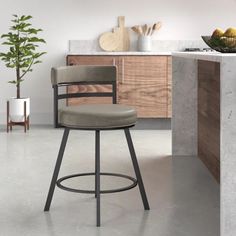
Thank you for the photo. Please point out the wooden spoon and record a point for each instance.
(140, 30)
(145, 29)
(149, 31)
(135, 29)
(157, 26)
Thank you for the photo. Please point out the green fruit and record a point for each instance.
(230, 32)
(217, 33)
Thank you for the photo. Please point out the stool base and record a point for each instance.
(133, 180)
(138, 181)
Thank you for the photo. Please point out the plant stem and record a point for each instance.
(27, 69)
(18, 82)
(18, 67)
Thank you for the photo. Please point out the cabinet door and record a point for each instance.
(90, 60)
(143, 84)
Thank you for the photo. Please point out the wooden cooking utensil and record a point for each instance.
(118, 40)
(135, 29)
(124, 42)
(157, 26)
(149, 31)
(153, 27)
(145, 29)
(140, 29)
(109, 41)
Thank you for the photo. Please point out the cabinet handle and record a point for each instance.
(123, 70)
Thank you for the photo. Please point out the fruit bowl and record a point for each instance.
(221, 44)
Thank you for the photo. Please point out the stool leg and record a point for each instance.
(136, 169)
(95, 164)
(97, 175)
(28, 123)
(8, 116)
(56, 170)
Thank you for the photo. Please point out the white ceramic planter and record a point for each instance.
(16, 109)
(145, 43)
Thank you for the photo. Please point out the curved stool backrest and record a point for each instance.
(82, 75)
(74, 74)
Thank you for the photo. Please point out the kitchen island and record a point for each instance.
(204, 120)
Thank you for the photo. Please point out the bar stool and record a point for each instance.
(99, 117)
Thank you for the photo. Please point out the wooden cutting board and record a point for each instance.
(118, 39)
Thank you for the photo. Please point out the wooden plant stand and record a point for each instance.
(10, 123)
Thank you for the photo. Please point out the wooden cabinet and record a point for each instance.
(90, 60)
(143, 82)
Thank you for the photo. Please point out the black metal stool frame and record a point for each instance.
(138, 181)
(55, 181)
(57, 96)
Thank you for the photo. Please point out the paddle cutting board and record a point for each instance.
(118, 39)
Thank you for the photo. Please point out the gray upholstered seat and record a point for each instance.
(102, 116)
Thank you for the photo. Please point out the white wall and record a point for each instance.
(86, 19)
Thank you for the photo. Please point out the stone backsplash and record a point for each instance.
(86, 46)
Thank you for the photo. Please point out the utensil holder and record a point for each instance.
(144, 43)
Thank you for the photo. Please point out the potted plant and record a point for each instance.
(22, 54)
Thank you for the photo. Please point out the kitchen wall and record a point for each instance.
(78, 19)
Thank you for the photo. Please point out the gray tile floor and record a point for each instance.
(183, 196)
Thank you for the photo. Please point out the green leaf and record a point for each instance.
(37, 62)
(36, 40)
(2, 54)
(7, 43)
(24, 18)
(10, 65)
(6, 35)
(12, 82)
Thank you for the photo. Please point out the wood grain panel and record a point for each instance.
(89, 89)
(90, 60)
(169, 87)
(143, 84)
(209, 115)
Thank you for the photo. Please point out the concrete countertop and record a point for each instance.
(207, 56)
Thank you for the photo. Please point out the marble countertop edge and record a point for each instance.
(103, 53)
(207, 56)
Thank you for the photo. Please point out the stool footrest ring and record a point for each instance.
(133, 180)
